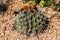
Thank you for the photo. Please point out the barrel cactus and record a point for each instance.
(31, 21)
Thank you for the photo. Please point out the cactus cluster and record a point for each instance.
(31, 21)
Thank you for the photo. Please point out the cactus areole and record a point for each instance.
(31, 21)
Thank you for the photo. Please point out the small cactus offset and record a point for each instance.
(31, 21)
(3, 8)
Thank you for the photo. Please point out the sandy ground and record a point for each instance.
(6, 21)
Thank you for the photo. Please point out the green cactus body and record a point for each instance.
(31, 22)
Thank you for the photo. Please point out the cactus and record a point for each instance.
(31, 21)
(3, 8)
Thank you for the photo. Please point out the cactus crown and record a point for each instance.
(31, 21)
